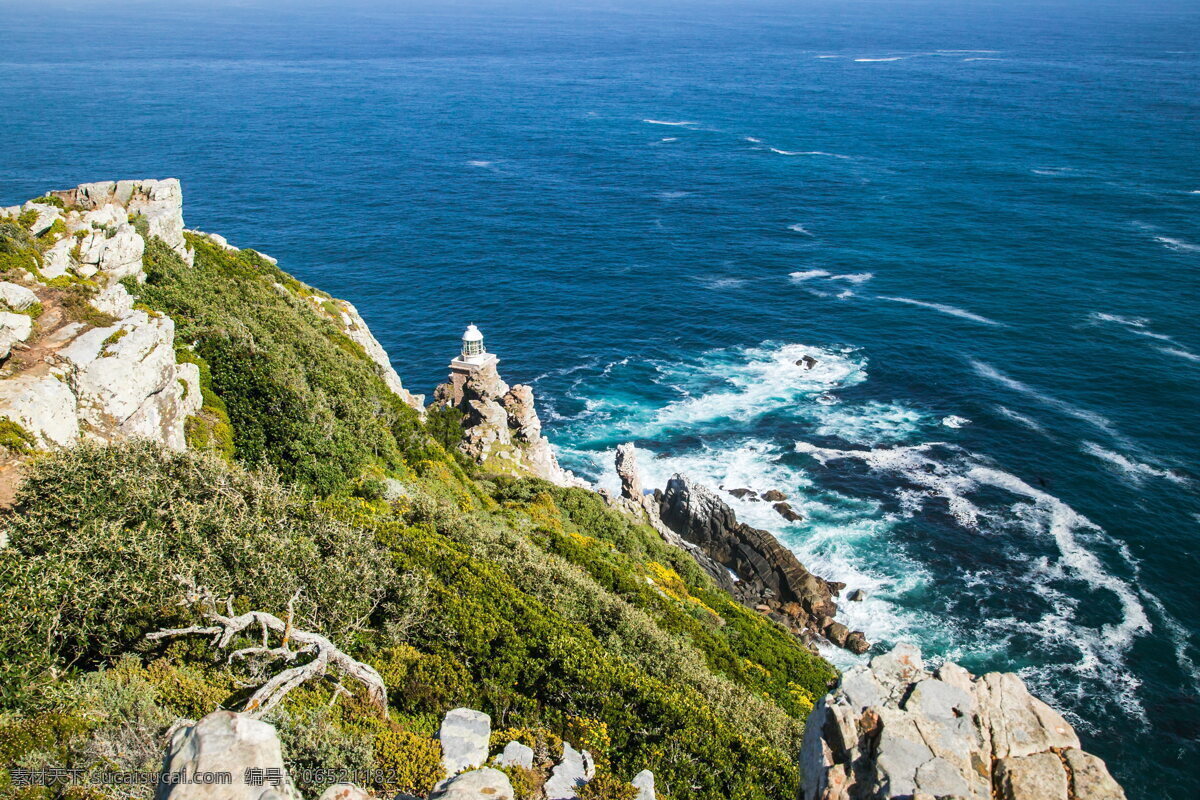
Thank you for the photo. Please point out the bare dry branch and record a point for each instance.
(325, 654)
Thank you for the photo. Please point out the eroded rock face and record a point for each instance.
(644, 507)
(158, 202)
(501, 424)
(897, 730)
(225, 743)
(769, 574)
(356, 329)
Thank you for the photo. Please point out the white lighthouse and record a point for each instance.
(473, 355)
(472, 358)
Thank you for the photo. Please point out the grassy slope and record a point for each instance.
(537, 604)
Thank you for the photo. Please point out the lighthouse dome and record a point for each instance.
(472, 334)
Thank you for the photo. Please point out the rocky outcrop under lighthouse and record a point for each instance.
(501, 427)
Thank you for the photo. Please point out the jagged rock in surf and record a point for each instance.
(786, 511)
(645, 508)
(769, 573)
(898, 730)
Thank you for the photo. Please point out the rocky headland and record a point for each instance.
(415, 577)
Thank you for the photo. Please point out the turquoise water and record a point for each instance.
(977, 210)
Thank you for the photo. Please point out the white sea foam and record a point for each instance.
(855, 277)
(1090, 417)
(842, 295)
(1101, 650)
(480, 163)
(1064, 522)
(669, 139)
(798, 228)
(667, 122)
(945, 309)
(917, 468)
(756, 381)
(1178, 245)
(1135, 471)
(892, 58)
(1028, 422)
(955, 421)
(1181, 353)
(724, 283)
(672, 195)
(871, 424)
(831, 540)
(808, 274)
(806, 153)
(752, 139)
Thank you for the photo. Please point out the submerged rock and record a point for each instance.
(786, 511)
(896, 730)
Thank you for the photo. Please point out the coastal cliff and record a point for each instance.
(227, 520)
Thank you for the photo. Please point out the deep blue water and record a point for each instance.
(985, 210)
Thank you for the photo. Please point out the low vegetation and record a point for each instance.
(542, 606)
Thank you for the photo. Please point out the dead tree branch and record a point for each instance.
(294, 643)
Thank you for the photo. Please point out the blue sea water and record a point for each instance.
(961, 209)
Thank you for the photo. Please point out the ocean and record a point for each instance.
(982, 219)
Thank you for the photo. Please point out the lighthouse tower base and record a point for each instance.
(461, 369)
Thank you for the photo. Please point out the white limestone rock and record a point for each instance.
(225, 742)
(44, 405)
(16, 296)
(118, 256)
(478, 784)
(113, 300)
(465, 736)
(515, 755)
(13, 328)
(159, 202)
(644, 783)
(895, 730)
(46, 216)
(127, 383)
(57, 259)
(571, 773)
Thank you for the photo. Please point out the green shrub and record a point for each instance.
(50, 200)
(298, 394)
(412, 763)
(99, 536)
(606, 786)
(14, 438)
